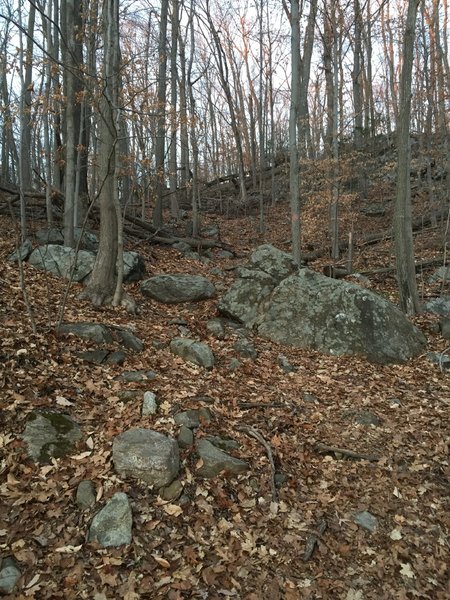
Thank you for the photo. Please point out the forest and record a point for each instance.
(224, 299)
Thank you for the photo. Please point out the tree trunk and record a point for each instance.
(403, 238)
(294, 178)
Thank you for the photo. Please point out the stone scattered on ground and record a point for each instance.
(133, 267)
(439, 359)
(96, 332)
(136, 376)
(245, 348)
(366, 520)
(128, 395)
(362, 417)
(112, 526)
(234, 364)
(441, 275)
(172, 289)
(172, 492)
(22, 253)
(50, 435)
(215, 461)
(149, 404)
(216, 328)
(308, 310)
(193, 418)
(86, 494)
(185, 437)
(63, 261)
(96, 357)
(285, 364)
(439, 306)
(128, 340)
(225, 444)
(89, 241)
(192, 351)
(9, 574)
(146, 455)
(310, 398)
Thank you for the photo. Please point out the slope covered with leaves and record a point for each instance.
(230, 537)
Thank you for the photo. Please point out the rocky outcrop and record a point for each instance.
(172, 289)
(146, 455)
(63, 261)
(308, 310)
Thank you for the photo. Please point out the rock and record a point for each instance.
(182, 247)
(444, 326)
(216, 328)
(366, 520)
(50, 435)
(88, 242)
(23, 252)
(211, 231)
(129, 340)
(100, 334)
(149, 405)
(245, 348)
(128, 395)
(234, 364)
(112, 525)
(116, 358)
(216, 461)
(133, 267)
(225, 254)
(285, 365)
(222, 443)
(86, 495)
(363, 417)
(192, 351)
(439, 306)
(274, 262)
(60, 261)
(9, 575)
(310, 398)
(96, 357)
(136, 376)
(192, 418)
(185, 437)
(374, 210)
(172, 289)
(442, 274)
(171, 492)
(245, 300)
(310, 310)
(146, 455)
(280, 478)
(441, 360)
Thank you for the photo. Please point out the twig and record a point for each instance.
(313, 538)
(258, 405)
(250, 431)
(345, 452)
(441, 359)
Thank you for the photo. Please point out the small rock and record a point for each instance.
(86, 495)
(366, 520)
(310, 398)
(216, 328)
(285, 365)
(146, 455)
(216, 461)
(98, 333)
(112, 525)
(444, 326)
(127, 395)
(363, 417)
(192, 351)
(222, 443)
(234, 364)
(182, 247)
(116, 358)
(9, 575)
(440, 306)
(246, 348)
(172, 492)
(149, 405)
(280, 478)
(136, 376)
(23, 252)
(129, 340)
(192, 418)
(95, 357)
(225, 254)
(185, 437)
(441, 360)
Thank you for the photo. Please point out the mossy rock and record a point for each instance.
(50, 435)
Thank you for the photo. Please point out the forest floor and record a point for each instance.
(230, 539)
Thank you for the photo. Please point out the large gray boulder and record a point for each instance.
(195, 352)
(89, 241)
(88, 331)
(113, 524)
(50, 435)
(133, 267)
(146, 455)
(61, 261)
(310, 310)
(171, 289)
